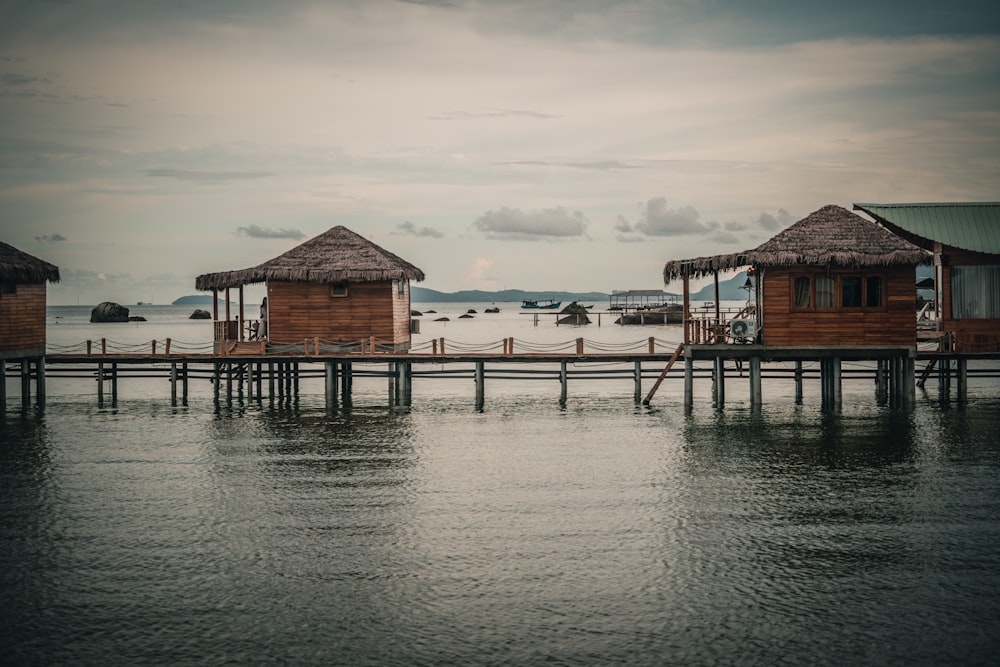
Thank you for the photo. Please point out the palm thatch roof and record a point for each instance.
(831, 236)
(336, 255)
(20, 267)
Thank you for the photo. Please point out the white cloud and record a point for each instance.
(513, 223)
(258, 232)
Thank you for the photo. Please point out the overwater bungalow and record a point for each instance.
(23, 280)
(965, 241)
(831, 279)
(331, 293)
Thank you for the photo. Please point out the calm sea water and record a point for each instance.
(593, 532)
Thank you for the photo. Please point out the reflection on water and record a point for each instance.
(526, 533)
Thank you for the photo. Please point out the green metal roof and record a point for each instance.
(971, 226)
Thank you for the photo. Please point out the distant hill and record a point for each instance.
(424, 295)
(729, 290)
(196, 300)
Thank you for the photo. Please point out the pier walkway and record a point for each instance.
(892, 371)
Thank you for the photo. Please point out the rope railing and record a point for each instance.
(104, 346)
(371, 345)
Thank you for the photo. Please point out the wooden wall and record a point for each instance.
(300, 311)
(22, 321)
(783, 326)
(979, 335)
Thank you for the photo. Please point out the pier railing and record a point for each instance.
(318, 347)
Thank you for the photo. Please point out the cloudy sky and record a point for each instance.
(568, 144)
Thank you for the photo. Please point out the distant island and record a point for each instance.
(729, 290)
(424, 295)
(196, 300)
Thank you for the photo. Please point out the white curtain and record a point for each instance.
(975, 292)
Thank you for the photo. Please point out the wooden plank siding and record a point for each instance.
(299, 311)
(22, 321)
(967, 335)
(893, 325)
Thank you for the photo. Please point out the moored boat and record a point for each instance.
(546, 304)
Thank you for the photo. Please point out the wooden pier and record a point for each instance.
(255, 377)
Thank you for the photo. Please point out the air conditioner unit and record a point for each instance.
(743, 329)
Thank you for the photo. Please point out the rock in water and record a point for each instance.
(109, 312)
(200, 314)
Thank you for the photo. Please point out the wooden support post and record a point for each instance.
(880, 384)
(216, 380)
(579, 347)
(480, 384)
(184, 383)
(100, 383)
(563, 389)
(229, 369)
(346, 380)
(393, 375)
(719, 382)
(944, 377)
(114, 384)
(962, 379)
(89, 343)
(270, 380)
(909, 373)
(434, 347)
(406, 388)
(637, 379)
(687, 308)
(242, 334)
(173, 383)
(666, 369)
(154, 347)
(330, 384)
(756, 396)
(830, 380)
(652, 345)
(25, 383)
(294, 389)
(798, 382)
(39, 382)
(688, 381)
(442, 345)
(104, 346)
(3, 385)
(166, 349)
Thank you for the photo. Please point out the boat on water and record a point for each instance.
(546, 304)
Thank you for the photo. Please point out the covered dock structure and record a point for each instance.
(832, 286)
(335, 292)
(23, 279)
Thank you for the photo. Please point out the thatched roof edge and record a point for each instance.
(260, 274)
(337, 255)
(703, 266)
(830, 236)
(21, 267)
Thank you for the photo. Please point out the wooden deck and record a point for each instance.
(277, 376)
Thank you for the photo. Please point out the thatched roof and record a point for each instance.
(831, 236)
(336, 255)
(24, 268)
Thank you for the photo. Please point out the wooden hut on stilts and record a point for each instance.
(335, 292)
(832, 286)
(22, 317)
